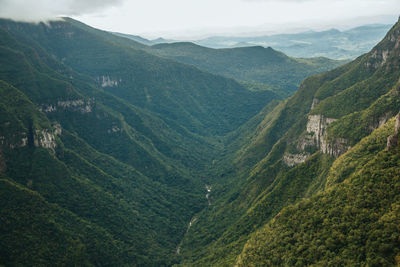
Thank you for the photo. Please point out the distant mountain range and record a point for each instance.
(144, 41)
(331, 43)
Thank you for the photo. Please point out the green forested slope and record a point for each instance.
(132, 173)
(33, 230)
(105, 151)
(136, 215)
(354, 222)
(288, 155)
(202, 102)
(259, 67)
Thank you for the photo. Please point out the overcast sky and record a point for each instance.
(197, 18)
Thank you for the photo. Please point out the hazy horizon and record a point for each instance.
(193, 19)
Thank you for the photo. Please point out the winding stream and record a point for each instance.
(194, 219)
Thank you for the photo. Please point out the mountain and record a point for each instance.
(104, 147)
(87, 174)
(312, 180)
(111, 155)
(142, 40)
(135, 38)
(355, 215)
(331, 43)
(256, 66)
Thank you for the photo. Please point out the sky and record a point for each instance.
(191, 19)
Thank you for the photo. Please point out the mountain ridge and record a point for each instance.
(263, 67)
(290, 159)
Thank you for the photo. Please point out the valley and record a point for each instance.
(116, 153)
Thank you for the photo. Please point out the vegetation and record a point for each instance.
(263, 183)
(106, 151)
(354, 222)
(261, 68)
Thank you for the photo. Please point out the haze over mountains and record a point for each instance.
(333, 43)
(117, 153)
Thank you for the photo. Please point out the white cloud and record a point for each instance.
(175, 18)
(36, 10)
(302, 1)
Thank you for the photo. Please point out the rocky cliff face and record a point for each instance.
(80, 105)
(392, 140)
(316, 137)
(41, 138)
(378, 57)
(292, 160)
(6, 142)
(106, 81)
(317, 128)
(335, 148)
(46, 138)
(378, 122)
(389, 47)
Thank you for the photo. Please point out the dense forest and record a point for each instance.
(115, 153)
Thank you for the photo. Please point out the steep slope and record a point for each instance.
(90, 159)
(265, 67)
(129, 213)
(26, 221)
(201, 102)
(107, 154)
(287, 155)
(355, 222)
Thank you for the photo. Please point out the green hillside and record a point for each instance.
(199, 101)
(134, 174)
(354, 222)
(286, 156)
(113, 156)
(256, 66)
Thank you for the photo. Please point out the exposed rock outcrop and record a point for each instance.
(316, 138)
(80, 105)
(306, 141)
(46, 138)
(392, 140)
(114, 129)
(380, 55)
(6, 142)
(294, 159)
(335, 148)
(378, 122)
(106, 81)
(314, 103)
(317, 125)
